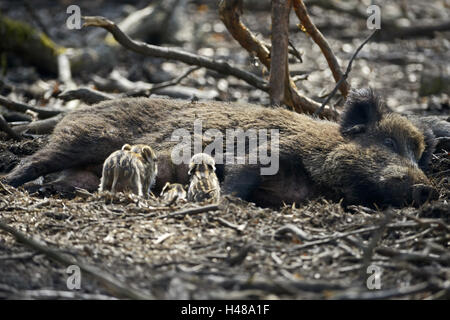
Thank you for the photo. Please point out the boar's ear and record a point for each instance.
(362, 109)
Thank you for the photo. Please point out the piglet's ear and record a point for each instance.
(362, 110)
(148, 154)
(126, 147)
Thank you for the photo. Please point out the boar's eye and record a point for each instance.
(390, 143)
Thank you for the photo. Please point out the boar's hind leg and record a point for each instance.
(58, 156)
(78, 148)
(43, 162)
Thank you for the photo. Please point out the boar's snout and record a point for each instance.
(422, 193)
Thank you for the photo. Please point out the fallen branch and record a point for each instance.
(319, 39)
(112, 285)
(87, 95)
(345, 76)
(7, 129)
(280, 286)
(56, 294)
(429, 222)
(384, 294)
(350, 233)
(414, 256)
(45, 126)
(21, 107)
(175, 54)
(375, 239)
(230, 12)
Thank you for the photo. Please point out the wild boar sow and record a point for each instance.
(370, 157)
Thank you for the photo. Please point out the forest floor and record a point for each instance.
(315, 250)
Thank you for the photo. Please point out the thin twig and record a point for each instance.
(345, 76)
(44, 126)
(292, 50)
(18, 256)
(4, 126)
(319, 39)
(165, 84)
(295, 52)
(175, 54)
(175, 81)
(350, 233)
(290, 228)
(228, 224)
(384, 294)
(376, 237)
(56, 294)
(190, 211)
(21, 107)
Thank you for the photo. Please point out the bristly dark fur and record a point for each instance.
(316, 157)
(362, 109)
(429, 138)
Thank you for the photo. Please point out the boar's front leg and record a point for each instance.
(241, 181)
(290, 184)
